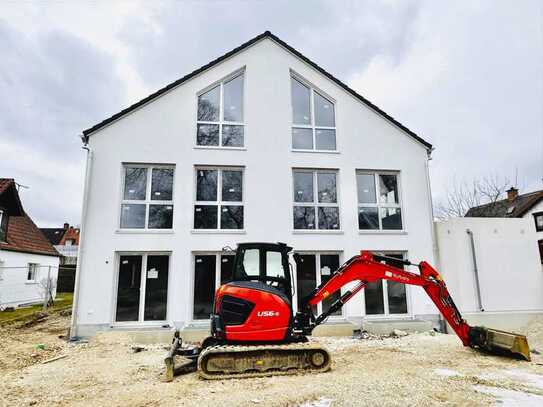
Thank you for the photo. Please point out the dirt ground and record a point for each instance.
(419, 369)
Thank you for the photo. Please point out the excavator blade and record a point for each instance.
(501, 343)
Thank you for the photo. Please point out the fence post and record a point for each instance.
(47, 285)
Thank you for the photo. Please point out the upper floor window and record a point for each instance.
(538, 218)
(3, 226)
(219, 198)
(313, 119)
(379, 205)
(220, 114)
(315, 199)
(147, 201)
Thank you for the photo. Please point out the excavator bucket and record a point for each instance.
(501, 343)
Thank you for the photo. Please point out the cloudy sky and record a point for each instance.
(466, 75)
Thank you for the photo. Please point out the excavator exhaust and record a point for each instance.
(500, 343)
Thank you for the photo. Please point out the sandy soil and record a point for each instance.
(420, 369)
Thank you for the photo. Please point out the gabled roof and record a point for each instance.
(22, 234)
(54, 235)
(505, 208)
(266, 34)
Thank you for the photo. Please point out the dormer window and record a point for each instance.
(313, 119)
(3, 226)
(220, 114)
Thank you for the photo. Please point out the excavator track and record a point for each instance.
(237, 361)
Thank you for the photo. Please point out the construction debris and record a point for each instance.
(427, 370)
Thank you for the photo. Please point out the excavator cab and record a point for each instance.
(265, 263)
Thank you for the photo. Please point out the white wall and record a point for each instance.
(164, 132)
(510, 275)
(14, 287)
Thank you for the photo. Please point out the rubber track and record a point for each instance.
(226, 349)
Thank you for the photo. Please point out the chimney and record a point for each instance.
(512, 194)
(66, 226)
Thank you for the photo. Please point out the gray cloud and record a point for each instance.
(52, 85)
(466, 76)
(191, 34)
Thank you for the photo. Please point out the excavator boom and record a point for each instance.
(367, 268)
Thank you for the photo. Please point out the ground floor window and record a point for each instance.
(210, 271)
(312, 269)
(142, 287)
(386, 297)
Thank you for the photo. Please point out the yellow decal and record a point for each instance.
(325, 294)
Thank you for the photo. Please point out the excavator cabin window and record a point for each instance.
(267, 263)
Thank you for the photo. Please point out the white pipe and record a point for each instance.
(81, 251)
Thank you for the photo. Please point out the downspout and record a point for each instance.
(475, 270)
(435, 250)
(80, 250)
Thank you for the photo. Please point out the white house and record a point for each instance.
(527, 206)
(259, 145)
(27, 259)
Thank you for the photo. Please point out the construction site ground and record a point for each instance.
(426, 369)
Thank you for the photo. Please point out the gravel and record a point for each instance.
(419, 369)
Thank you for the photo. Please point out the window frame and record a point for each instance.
(378, 204)
(147, 201)
(32, 267)
(5, 231)
(386, 305)
(219, 202)
(218, 257)
(315, 203)
(143, 286)
(221, 120)
(312, 90)
(318, 279)
(537, 215)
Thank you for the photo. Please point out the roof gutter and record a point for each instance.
(81, 249)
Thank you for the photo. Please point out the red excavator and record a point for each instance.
(254, 331)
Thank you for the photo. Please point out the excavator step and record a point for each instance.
(236, 361)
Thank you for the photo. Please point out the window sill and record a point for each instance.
(219, 148)
(297, 150)
(382, 232)
(144, 231)
(316, 232)
(218, 231)
(31, 282)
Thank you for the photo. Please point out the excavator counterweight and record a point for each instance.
(254, 331)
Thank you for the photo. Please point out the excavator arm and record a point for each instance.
(367, 268)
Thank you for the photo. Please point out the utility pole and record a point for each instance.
(47, 289)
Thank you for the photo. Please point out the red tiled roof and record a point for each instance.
(22, 234)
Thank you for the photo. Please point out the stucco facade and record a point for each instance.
(164, 132)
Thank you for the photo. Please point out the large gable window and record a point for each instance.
(313, 119)
(220, 114)
(147, 201)
(379, 206)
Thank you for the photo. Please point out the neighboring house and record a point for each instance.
(528, 206)
(259, 145)
(26, 256)
(66, 242)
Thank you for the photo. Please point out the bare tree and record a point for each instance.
(48, 288)
(461, 196)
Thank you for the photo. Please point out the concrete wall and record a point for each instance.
(14, 287)
(510, 275)
(164, 132)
